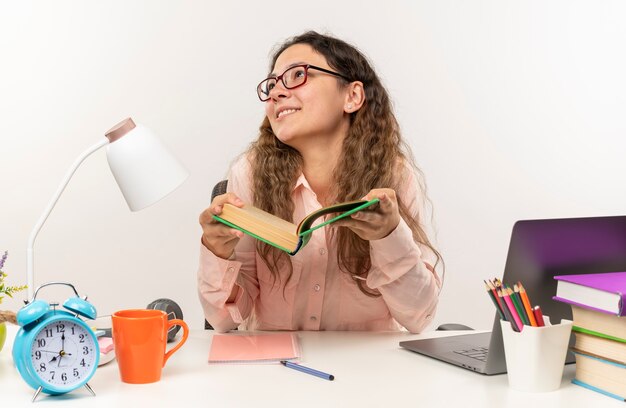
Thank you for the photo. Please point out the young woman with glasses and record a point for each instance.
(329, 136)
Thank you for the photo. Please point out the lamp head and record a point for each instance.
(143, 168)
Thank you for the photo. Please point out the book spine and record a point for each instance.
(302, 240)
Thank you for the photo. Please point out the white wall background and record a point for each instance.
(514, 109)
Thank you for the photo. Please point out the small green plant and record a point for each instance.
(6, 290)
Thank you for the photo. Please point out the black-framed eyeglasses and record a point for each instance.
(293, 77)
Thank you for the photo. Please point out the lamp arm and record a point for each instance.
(30, 251)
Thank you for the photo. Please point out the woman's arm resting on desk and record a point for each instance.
(408, 284)
(217, 280)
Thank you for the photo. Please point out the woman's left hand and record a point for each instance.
(377, 223)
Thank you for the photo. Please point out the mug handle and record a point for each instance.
(176, 322)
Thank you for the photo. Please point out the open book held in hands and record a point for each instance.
(283, 234)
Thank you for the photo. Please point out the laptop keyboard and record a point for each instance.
(479, 353)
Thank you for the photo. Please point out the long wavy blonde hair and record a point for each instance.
(372, 156)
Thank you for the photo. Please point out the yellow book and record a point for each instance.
(599, 324)
(605, 376)
(608, 348)
(283, 234)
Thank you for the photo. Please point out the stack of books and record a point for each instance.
(599, 313)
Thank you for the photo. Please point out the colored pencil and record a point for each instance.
(527, 305)
(496, 303)
(511, 307)
(517, 306)
(496, 286)
(497, 283)
(495, 294)
(520, 306)
(507, 314)
(539, 316)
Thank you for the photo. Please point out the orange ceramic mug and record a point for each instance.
(140, 336)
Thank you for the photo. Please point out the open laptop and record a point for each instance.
(539, 250)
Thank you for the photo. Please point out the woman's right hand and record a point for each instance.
(217, 237)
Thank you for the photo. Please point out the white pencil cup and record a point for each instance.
(535, 357)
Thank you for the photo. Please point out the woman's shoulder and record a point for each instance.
(241, 164)
(411, 185)
(240, 176)
(409, 176)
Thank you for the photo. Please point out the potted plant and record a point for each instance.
(5, 290)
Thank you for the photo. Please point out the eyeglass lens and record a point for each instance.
(292, 78)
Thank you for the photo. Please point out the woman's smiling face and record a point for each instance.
(313, 109)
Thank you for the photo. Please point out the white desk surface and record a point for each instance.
(370, 370)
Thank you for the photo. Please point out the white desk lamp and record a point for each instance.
(143, 168)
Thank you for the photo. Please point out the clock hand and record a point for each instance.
(62, 352)
(59, 354)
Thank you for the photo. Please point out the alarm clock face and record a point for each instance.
(64, 354)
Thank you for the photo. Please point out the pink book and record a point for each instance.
(237, 348)
(602, 292)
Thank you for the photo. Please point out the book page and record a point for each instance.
(589, 296)
(261, 225)
(255, 216)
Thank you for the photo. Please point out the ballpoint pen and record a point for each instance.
(308, 370)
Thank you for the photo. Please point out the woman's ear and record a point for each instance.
(355, 97)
